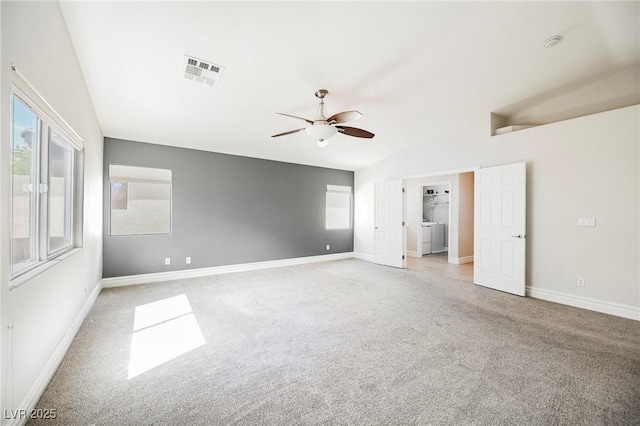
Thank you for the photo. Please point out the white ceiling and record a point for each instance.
(413, 69)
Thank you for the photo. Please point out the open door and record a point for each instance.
(389, 224)
(500, 223)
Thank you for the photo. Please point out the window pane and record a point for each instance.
(60, 194)
(338, 210)
(139, 208)
(24, 145)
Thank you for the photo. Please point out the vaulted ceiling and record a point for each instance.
(415, 69)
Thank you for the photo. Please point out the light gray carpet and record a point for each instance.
(350, 342)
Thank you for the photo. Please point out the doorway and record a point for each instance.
(440, 215)
(435, 219)
(500, 216)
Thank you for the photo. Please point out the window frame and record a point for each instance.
(70, 201)
(137, 175)
(40, 225)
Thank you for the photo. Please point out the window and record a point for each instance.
(140, 200)
(338, 207)
(25, 132)
(43, 183)
(60, 193)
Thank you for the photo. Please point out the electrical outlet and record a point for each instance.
(587, 221)
(167, 261)
(188, 260)
(328, 247)
(580, 281)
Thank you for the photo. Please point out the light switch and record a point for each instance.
(586, 221)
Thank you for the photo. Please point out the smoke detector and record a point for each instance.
(202, 71)
(551, 41)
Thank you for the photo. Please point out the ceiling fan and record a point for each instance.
(322, 128)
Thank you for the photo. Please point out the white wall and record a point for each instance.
(588, 166)
(4, 314)
(46, 310)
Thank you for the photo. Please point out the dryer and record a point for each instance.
(437, 238)
(432, 237)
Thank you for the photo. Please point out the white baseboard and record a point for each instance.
(624, 311)
(217, 270)
(461, 260)
(364, 256)
(45, 375)
(412, 253)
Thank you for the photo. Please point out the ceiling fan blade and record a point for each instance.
(288, 133)
(352, 131)
(344, 117)
(295, 116)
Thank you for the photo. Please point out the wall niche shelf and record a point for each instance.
(612, 89)
(514, 128)
(500, 125)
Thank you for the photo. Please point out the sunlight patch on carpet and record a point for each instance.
(163, 331)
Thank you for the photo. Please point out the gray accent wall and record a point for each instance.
(226, 210)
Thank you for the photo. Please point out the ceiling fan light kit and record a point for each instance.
(323, 128)
(321, 132)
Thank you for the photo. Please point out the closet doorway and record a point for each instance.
(440, 224)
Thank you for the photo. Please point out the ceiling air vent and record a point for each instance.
(202, 71)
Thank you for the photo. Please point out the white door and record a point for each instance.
(389, 224)
(500, 223)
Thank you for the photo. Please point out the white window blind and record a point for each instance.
(138, 174)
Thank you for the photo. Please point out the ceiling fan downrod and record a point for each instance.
(320, 117)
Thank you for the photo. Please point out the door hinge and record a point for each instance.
(402, 189)
(403, 257)
(403, 223)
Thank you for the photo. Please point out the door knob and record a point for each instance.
(518, 236)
